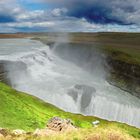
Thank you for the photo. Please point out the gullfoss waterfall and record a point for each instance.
(71, 77)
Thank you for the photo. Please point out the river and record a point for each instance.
(72, 78)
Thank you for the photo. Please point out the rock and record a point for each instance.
(96, 123)
(124, 75)
(36, 132)
(58, 124)
(2, 137)
(4, 132)
(18, 132)
(29, 133)
(54, 126)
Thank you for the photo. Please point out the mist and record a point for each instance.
(70, 76)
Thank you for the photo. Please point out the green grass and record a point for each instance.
(129, 54)
(22, 111)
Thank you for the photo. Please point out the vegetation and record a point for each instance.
(22, 111)
(121, 46)
(128, 55)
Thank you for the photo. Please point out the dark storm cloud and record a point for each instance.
(102, 11)
(6, 19)
(7, 13)
(69, 15)
(94, 13)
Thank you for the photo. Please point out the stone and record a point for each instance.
(18, 132)
(58, 124)
(96, 123)
(4, 131)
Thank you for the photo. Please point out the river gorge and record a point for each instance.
(71, 77)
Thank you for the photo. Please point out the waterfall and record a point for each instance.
(70, 77)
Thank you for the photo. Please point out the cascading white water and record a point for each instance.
(71, 78)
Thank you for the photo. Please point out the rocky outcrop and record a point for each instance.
(54, 126)
(18, 132)
(2, 72)
(125, 75)
(8, 68)
(58, 124)
(4, 131)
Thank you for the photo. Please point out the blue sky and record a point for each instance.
(31, 5)
(69, 15)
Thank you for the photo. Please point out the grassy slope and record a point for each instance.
(22, 111)
(129, 55)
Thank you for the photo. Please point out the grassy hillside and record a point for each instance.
(129, 55)
(22, 111)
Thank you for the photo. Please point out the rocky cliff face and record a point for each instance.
(3, 75)
(124, 75)
(7, 68)
(55, 126)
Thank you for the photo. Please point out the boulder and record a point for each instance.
(18, 132)
(96, 122)
(58, 124)
(4, 131)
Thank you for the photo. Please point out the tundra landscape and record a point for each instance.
(69, 70)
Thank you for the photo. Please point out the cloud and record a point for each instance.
(59, 11)
(30, 15)
(69, 16)
(8, 11)
(67, 25)
(6, 18)
(102, 11)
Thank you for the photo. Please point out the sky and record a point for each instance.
(69, 16)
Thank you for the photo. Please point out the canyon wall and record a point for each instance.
(124, 75)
